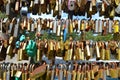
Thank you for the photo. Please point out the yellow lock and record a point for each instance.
(4, 75)
(82, 76)
(82, 26)
(78, 75)
(38, 55)
(82, 55)
(21, 55)
(118, 54)
(79, 53)
(117, 2)
(97, 51)
(70, 52)
(88, 75)
(66, 44)
(114, 73)
(101, 73)
(102, 55)
(19, 52)
(107, 72)
(107, 54)
(23, 76)
(116, 27)
(112, 13)
(26, 76)
(118, 72)
(71, 28)
(74, 75)
(9, 50)
(92, 74)
(66, 55)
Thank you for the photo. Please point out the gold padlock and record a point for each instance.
(97, 51)
(101, 73)
(4, 75)
(82, 76)
(88, 75)
(38, 55)
(79, 53)
(102, 55)
(82, 55)
(19, 52)
(116, 26)
(103, 7)
(118, 53)
(9, 50)
(82, 26)
(66, 45)
(88, 52)
(11, 40)
(26, 76)
(118, 72)
(74, 75)
(23, 76)
(114, 73)
(107, 72)
(70, 52)
(117, 2)
(107, 54)
(92, 74)
(28, 25)
(71, 28)
(112, 13)
(78, 75)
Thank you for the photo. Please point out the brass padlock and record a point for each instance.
(102, 54)
(97, 51)
(107, 54)
(107, 71)
(74, 72)
(112, 13)
(78, 75)
(19, 52)
(82, 25)
(88, 51)
(113, 73)
(71, 27)
(70, 53)
(92, 74)
(66, 45)
(118, 53)
(4, 75)
(66, 55)
(23, 76)
(38, 56)
(116, 26)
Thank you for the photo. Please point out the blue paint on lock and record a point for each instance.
(22, 38)
(31, 48)
(17, 44)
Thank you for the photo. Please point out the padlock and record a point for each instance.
(82, 25)
(88, 51)
(114, 71)
(116, 27)
(107, 54)
(97, 51)
(17, 5)
(110, 26)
